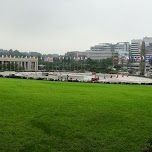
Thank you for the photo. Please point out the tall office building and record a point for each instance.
(135, 50)
(135, 47)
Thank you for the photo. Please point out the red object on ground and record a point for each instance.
(49, 71)
(93, 73)
(104, 76)
(117, 76)
(44, 70)
(93, 79)
(70, 78)
(111, 76)
(127, 75)
(122, 75)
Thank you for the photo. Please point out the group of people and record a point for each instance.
(61, 77)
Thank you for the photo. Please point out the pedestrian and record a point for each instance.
(67, 77)
(61, 77)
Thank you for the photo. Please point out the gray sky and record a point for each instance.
(58, 26)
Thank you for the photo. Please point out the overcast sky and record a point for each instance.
(58, 26)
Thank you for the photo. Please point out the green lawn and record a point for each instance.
(74, 117)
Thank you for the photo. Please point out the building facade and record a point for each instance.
(102, 47)
(26, 64)
(135, 50)
(122, 47)
(107, 50)
(135, 47)
(95, 55)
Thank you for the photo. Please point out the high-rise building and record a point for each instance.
(135, 50)
(135, 47)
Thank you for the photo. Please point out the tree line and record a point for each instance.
(104, 65)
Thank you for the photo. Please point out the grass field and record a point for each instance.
(74, 117)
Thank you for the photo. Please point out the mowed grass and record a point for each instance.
(45, 116)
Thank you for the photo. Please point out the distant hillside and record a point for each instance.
(18, 53)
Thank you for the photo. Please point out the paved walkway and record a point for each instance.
(103, 78)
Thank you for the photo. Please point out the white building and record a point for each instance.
(95, 55)
(135, 50)
(106, 50)
(25, 63)
(102, 47)
(135, 47)
(122, 47)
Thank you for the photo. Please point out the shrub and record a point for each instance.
(51, 79)
(39, 78)
(12, 76)
(24, 77)
(6, 76)
(76, 80)
(70, 81)
(31, 78)
(89, 82)
(19, 77)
